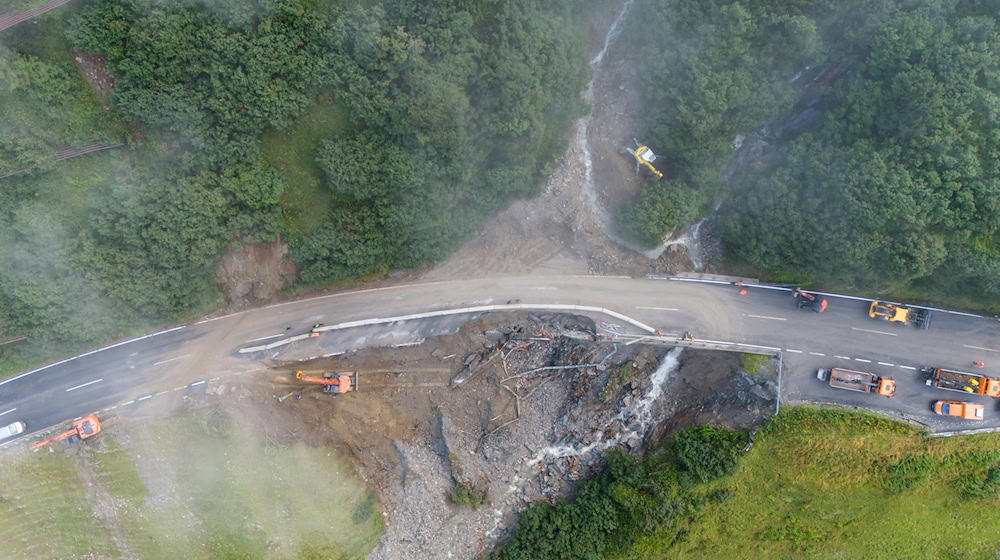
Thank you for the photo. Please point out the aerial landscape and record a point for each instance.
(499, 279)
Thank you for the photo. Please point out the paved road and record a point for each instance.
(133, 373)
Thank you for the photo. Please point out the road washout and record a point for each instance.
(513, 408)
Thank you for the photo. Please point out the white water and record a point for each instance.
(639, 416)
(582, 143)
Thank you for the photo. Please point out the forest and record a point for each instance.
(370, 136)
(879, 120)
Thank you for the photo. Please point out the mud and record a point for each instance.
(251, 273)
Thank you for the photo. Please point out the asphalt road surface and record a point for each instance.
(132, 373)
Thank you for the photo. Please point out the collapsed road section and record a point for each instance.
(509, 409)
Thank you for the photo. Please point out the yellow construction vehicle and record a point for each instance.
(644, 156)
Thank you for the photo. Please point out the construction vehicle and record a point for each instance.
(644, 157)
(332, 382)
(966, 382)
(812, 302)
(85, 427)
(966, 410)
(860, 381)
(920, 318)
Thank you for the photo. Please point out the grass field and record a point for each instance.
(193, 486)
(306, 200)
(831, 484)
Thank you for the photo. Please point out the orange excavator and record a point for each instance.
(82, 429)
(332, 382)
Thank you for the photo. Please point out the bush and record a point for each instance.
(709, 452)
(978, 486)
(753, 362)
(910, 472)
(466, 494)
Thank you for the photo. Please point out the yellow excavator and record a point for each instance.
(644, 156)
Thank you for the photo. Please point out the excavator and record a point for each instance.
(332, 382)
(85, 427)
(644, 156)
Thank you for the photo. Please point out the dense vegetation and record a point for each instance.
(610, 513)
(893, 186)
(439, 113)
(817, 484)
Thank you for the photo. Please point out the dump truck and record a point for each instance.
(860, 381)
(332, 382)
(920, 318)
(966, 410)
(85, 427)
(960, 381)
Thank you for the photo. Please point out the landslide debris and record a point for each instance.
(457, 435)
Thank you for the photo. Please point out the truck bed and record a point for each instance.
(957, 381)
(852, 380)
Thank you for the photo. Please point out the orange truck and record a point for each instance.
(966, 410)
(860, 381)
(960, 381)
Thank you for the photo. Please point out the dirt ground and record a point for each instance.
(252, 273)
(469, 409)
(94, 69)
(566, 229)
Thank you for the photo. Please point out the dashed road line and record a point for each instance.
(657, 308)
(171, 359)
(85, 384)
(885, 364)
(8, 411)
(127, 403)
(817, 354)
(197, 383)
(144, 398)
(908, 367)
(873, 331)
(843, 357)
(767, 317)
(862, 360)
(793, 351)
(181, 387)
(980, 348)
(162, 393)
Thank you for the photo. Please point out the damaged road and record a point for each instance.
(460, 433)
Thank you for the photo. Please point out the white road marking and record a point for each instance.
(793, 351)
(77, 418)
(545, 288)
(112, 407)
(127, 403)
(144, 398)
(266, 337)
(843, 357)
(172, 359)
(657, 308)
(162, 393)
(767, 317)
(817, 354)
(179, 388)
(196, 383)
(862, 360)
(136, 339)
(85, 384)
(874, 332)
(980, 348)
(885, 364)
(7, 411)
(908, 367)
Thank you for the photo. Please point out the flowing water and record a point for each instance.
(638, 418)
(581, 140)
